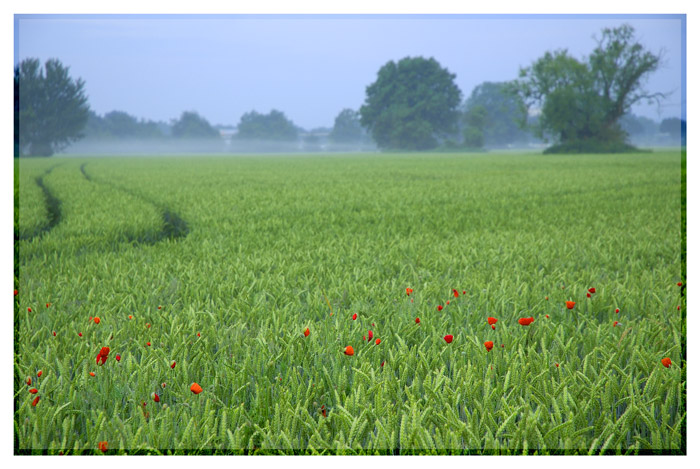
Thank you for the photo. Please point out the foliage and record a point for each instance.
(582, 101)
(675, 127)
(192, 125)
(412, 105)
(52, 109)
(272, 126)
(278, 243)
(504, 111)
(347, 127)
(119, 124)
(475, 123)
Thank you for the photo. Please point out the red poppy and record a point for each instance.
(172, 365)
(382, 364)
(48, 304)
(377, 342)
(570, 304)
(409, 291)
(118, 357)
(370, 334)
(162, 385)
(546, 298)
(448, 302)
(417, 320)
(493, 327)
(29, 381)
(617, 310)
(525, 321)
(36, 400)
(54, 333)
(148, 325)
(364, 339)
(131, 317)
(615, 323)
(102, 445)
(33, 391)
(448, 338)
(354, 316)
(666, 362)
(489, 345)
(455, 293)
(29, 310)
(92, 374)
(323, 410)
(15, 292)
(503, 345)
(97, 320)
(349, 350)
(158, 306)
(148, 344)
(155, 396)
(80, 334)
(547, 316)
(306, 332)
(464, 292)
(491, 321)
(680, 284)
(678, 307)
(588, 295)
(557, 365)
(439, 307)
(591, 290)
(195, 388)
(102, 356)
(199, 335)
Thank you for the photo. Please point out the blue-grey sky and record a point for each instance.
(310, 68)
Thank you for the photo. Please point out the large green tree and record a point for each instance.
(582, 102)
(192, 125)
(272, 126)
(51, 108)
(347, 127)
(412, 105)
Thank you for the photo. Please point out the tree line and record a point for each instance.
(414, 104)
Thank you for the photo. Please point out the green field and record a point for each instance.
(243, 253)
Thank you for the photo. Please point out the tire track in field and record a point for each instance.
(53, 209)
(173, 227)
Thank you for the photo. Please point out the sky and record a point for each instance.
(310, 68)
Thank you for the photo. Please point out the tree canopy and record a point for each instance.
(273, 126)
(50, 107)
(503, 110)
(412, 105)
(192, 125)
(581, 102)
(347, 127)
(119, 124)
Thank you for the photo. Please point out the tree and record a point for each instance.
(273, 126)
(504, 110)
(51, 110)
(347, 127)
(412, 105)
(191, 125)
(674, 127)
(581, 102)
(475, 121)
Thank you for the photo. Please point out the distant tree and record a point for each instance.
(412, 105)
(119, 124)
(347, 127)
(273, 126)
(51, 108)
(634, 125)
(504, 112)
(191, 125)
(581, 103)
(675, 127)
(475, 120)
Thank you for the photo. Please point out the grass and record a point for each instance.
(253, 250)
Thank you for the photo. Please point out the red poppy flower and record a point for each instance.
(80, 334)
(615, 323)
(588, 295)
(448, 302)
(372, 324)
(557, 365)
(29, 381)
(455, 293)
(39, 373)
(102, 356)
(464, 292)
(162, 385)
(92, 374)
(503, 345)
(172, 365)
(547, 316)
(525, 321)
(349, 350)
(48, 304)
(570, 304)
(591, 290)
(491, 321)
(370, 334)
(409, 291)
(489, 345)
(199, 335)
(323, 410)
(155, 396)
(131, 317)
(364, 339)
(617, 310)
(29, 310)
(678, 307)
(15, 292)
(195, 388)
(306, 332)
(354, 316)
(680, 284)
(377, 342)
(448, 338)
(118, 357)
(97, 320)
(33, 391)
(158, 306)
(102, 445)
(666, 362)
(546, 298)
(439, 308)
(382, 364)
(36, 400)
(148, 344)
(417, 320)
(148, 325)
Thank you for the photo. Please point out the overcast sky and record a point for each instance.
(310, 68)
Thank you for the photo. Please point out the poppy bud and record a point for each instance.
(155, 397)
(36, 401)
(306, 332)
(54, 333)
(172, 365)
(118, 357)
(493, 327)
(39, 373)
